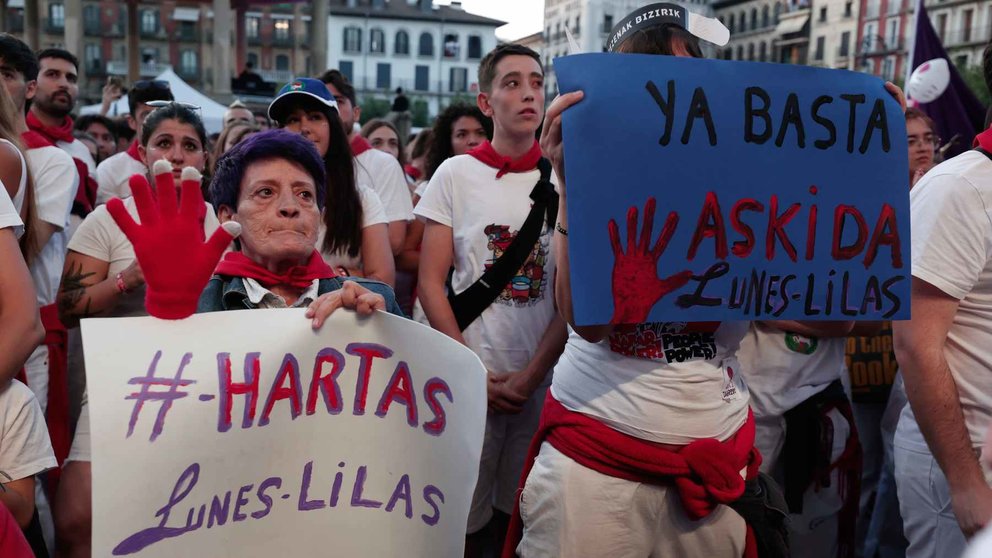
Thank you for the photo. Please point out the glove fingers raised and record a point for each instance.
(143, 199)
(123, 219)
(191, 201)
(165, 187)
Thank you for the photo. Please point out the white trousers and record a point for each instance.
(570, 510)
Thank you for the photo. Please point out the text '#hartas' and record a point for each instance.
(297, 388)
(190, 509)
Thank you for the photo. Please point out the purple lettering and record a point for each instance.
(303, 504)
(356, 494)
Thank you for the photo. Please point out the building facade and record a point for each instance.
(432, 52)
(833, 34)
(172, 34)
(766, 30)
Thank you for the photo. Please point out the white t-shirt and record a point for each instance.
(78, 150)
(951, 210)
(9, 217)
(372, 214)
(114, 174)
(55, 183)
(485, 215)
(785, 369)
(99, 237)
(670, 383)
(25, 448)
(18, 198)
(382, 172)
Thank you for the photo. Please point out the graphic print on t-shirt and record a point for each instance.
(666, 341)
(801, 344)
(527, 287)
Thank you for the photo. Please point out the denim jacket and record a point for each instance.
(228, 293)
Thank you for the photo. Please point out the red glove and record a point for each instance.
(169, 244)
(636, 286)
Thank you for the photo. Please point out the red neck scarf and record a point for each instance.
(413, 172)
(34, 140)
(984, 140)
(359, 145)
(503, 165)
(236, 264)
(132, 150)
(62, 132)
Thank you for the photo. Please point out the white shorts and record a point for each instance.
(570, 510)
(504, 451)
(80, 450)
(36, 374)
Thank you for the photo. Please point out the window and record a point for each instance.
(451, 45)
(966, 17)
(893, 33)
(422, 78)
(961, 61)
(426, 47)
(818, 53)
(347, 69)
(377, 41)
(730, 23)
(754, 18)
(253, 59)
(91, 18)
(763, 52)
(608, 23)
(149, 55)
(845, 41)
(252, 23)
(149, 21)
(282, 29)
(764, 16)
(187, 63)
(352, 39)
(777, 11)
(848, 9)
(823, 14)
(750, 51)
(575, 30)
(187, 30)
(740, 52)
(888, 65)
(870, 37)
(474, 47)
(56, 15)
(894, 7)
(458, 80)
(942, 26)
(93, 58)
(401, 44)
(382, 76)
(282, 63)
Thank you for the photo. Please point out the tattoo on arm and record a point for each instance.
(73, 291)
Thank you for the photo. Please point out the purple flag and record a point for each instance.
(957, 112)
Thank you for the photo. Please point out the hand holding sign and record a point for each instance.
(169, 243)
(636, 286)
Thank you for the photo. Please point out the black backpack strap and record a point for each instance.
(470, 303)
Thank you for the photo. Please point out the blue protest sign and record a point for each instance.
(709, 190)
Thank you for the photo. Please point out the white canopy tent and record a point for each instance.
(210, 111)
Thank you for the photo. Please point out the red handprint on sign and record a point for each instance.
(636, 286)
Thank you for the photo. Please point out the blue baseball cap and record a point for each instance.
(299, 90)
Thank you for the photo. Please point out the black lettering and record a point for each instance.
(886, 290)
(699, 108)
(750, 112)
(826, 123)
(791, 116)
(667, 107)
(716, 270)
(853, 102)
(876, 120)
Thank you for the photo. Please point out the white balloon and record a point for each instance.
(929, 80)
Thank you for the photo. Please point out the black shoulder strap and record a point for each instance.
(470, 303)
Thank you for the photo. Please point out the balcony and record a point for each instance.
(119, 68)
(254, 40)
(158, 34)
(92, 29)
(54, 26)
(282, 42)
(95, 68)
(187, 35)
(276, 76)
(973, 35)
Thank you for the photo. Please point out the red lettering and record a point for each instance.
(887, 233)
(742, 249)
(399, 389)
(840, 218)
(432, 388)
(776, 229)
(327, 385)
(368, 352)
(229, 388)
(811, 232)
(710, 224)
(288, 369)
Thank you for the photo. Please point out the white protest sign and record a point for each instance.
(248, 434)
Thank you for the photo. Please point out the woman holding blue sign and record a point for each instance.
(646, 437)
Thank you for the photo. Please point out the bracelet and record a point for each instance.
(119, 281)
(561, 229)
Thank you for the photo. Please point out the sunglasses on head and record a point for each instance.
(158, 84)
(160, 104)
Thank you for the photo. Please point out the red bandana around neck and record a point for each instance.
(53, 134)
(486, 154)
(236, 264)
(359, 145)
(984, 140)
(132, 150)
(413, 172)
(34, 140)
